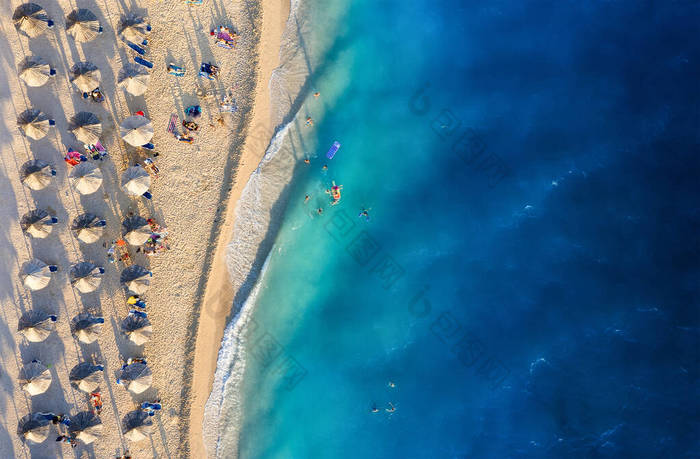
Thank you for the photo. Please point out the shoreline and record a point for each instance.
(217, 301)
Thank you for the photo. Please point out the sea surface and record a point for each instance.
(527, 282)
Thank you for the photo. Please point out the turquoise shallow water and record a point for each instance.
(505, 152)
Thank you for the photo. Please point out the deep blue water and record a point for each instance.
(532, 171)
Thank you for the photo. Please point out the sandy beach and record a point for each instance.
(194, 197)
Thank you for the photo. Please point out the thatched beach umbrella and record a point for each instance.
(136, 377)
(36, 174)
(34, 71)
(86, 327)
(137, 425)
(85, 276)
(37, 223)
(83, 25)
(85, 76)
(136, 278)
(86, 376)
(86, 127)
(86, 427)
(136, 130)
(31, 19)
(136, 180)
(138, 329)
(133, 28)
(34, 378)
(34, 427)
(86, 178)
(36, 274)
(136, 230)
(36, 325)
(88, 227)
(134, 79)
(34, 124)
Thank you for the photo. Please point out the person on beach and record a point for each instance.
(190, 125)
(136, 313)
(72, 441)
(151, 408)
(96, 402)
(135, 300)
(61, 419)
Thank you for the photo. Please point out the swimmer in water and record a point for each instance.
(307, 161)
(365, 213)
(316, 94)
(374, 408)
(325, 167)
(391, 409)
(320, 210)
(309, 121)
(306, 198)
(391, 384)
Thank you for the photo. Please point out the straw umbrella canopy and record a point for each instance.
(86, 178)
(36, 274)
(34, 71)
(86, 127)
(136, 230)
(35, 378)
(86, 427)
(133, 28)
(33, 427)
(31, 19)
(85, 76)
(136, 180)
(37, 223)
(137, 425)
(136, 278)
(138, 329)
(136, 130)
(88, 227)
(134, 79)
(86, 376)
(33, 123)
(36, 174)
(136, 377)
(85, 276)
(83, 25)
(36, 325)
(86, 327)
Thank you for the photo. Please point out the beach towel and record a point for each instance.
(172, 124)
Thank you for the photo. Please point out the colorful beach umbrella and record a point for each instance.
(136, 377)
(33, 124)
(86, 427)
(34, 427)
(86, 127)
(137, 328)
(133, 28)
(136, 130)
(34, 71)
(88, 227)
(137, 425)
(36, 274)
(86, 376)
(37, 223)
(86, 178)
(136, 180)
(34, 378)
(85, 76)
(134, 79)
(85, 276)
(86, 327)
(136, 278)
(36, 174)
(83, 25)
(31, 19)
(136, 230)
(36, 325)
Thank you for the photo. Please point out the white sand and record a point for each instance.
(190, 199)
